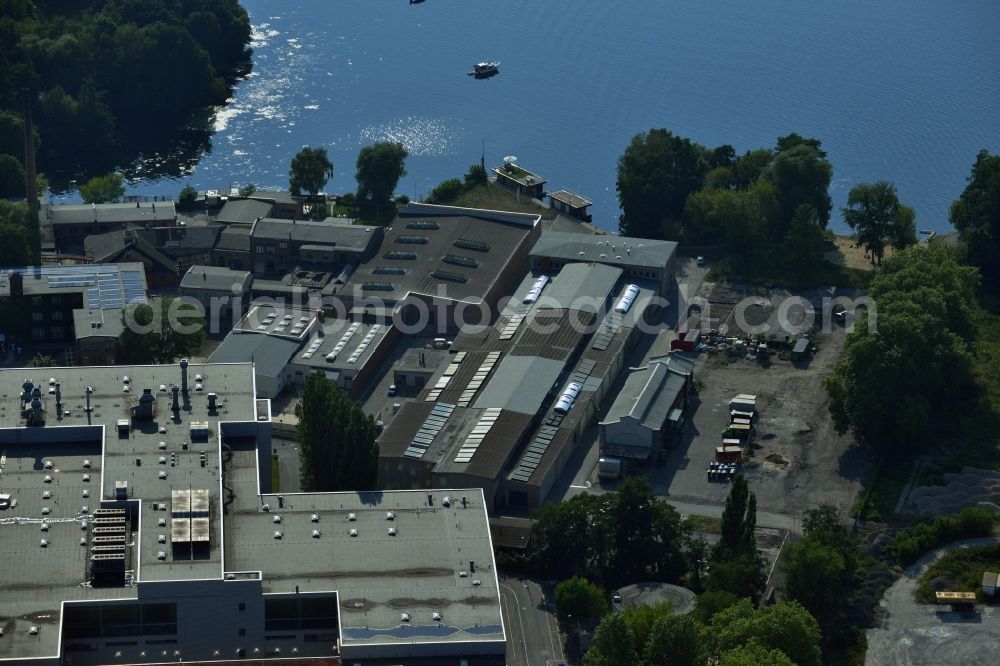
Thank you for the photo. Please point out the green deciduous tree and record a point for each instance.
(656, 174)
(109, 188)
(784, 626)
(754, 654)
(976, 215)
(247, 190)
(337, 439)
(739, 518)
(17, 229)
(11, 177)
(578, 599)
(160, 332)
(878, 219)
(379, 168)
(922, 341)
(187, 199)
(445, 192)
(801, 175)
(673, 641)
(613, 644)
(804, 242)
(736, 565)
(309, 172)
(616, 538)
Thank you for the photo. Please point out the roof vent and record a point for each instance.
(45, 510)
(436, 616)
(86, 464)
(277, 518)
(45, 527)
(33, 630)
(405, 617)
(161, 538)
(44, 543)
(446, 501)
(46, 495)
(86, 477)
(230, 576)
(477, 582)
(354, 532)
(47, 479)
(48, 464)
(352, 516)
(392, 531)
(463, 574)
(265, 507)
(161, 555)
(389, 515)
(277, 534)
(314, 518)
(315, 534)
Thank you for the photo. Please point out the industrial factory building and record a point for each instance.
(507, 407)
(137, 525)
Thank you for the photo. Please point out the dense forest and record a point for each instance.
(112, 79)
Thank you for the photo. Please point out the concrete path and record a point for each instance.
(913, 634)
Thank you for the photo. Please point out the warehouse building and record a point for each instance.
(442, 263)
(73, 311)
(288, 344)
(650, 411)
(639, 258)
(137, 525)
(490, 417)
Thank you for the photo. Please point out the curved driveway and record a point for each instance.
(913, 634)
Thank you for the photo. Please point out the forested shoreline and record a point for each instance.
(110, 80)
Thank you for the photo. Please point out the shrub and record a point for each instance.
(446, 192)
(909, 544)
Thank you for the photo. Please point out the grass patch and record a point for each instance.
(493, 197)
(275, 475)
(964, 568)
(704, 524)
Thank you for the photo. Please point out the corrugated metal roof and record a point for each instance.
(639, 252)
(520, 384)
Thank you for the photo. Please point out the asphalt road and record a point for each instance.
(288, 464)
(912, 634)
(533, 637)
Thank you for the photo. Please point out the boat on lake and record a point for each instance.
(484, 69)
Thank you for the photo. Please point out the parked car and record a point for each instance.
(700, 261)
(392, 389)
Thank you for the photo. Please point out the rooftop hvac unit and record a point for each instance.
(625, 302)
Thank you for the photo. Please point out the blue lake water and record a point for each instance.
(901, 90)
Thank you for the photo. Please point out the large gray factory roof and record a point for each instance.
(520, 384)
(60, 472)
(421, 569)
(638, 252)
(459, 252)
(580, 287)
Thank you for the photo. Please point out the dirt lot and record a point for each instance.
(801, 461)
(848, 254)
